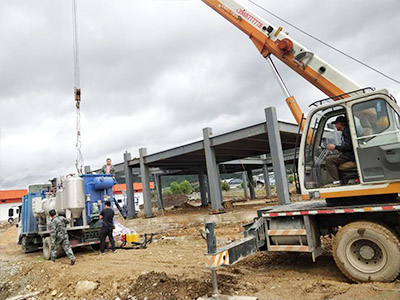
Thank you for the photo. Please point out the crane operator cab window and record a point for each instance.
(377, 126)
(327, 165)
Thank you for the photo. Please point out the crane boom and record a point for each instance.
(270, 39)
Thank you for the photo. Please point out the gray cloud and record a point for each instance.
(154, 73)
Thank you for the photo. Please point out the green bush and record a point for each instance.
(181, 188)
(225, 186)
(167, 192)
(175, 188)
(196, 188)
(185, 187)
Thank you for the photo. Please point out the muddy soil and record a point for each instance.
(173, 268)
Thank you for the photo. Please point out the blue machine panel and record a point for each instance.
(97, 188)
(29, 223)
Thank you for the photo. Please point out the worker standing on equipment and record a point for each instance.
(346, 151)
(59, 236)
(107, 215)
(108, 168)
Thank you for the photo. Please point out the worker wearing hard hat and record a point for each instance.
(108, 168)
(346, 154)
(59, 236)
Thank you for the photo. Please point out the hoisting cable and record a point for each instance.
(77, 90)
(325, 43)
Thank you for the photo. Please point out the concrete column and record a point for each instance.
(130, 196)
(278, 162)
(251, 184)
(144, 172)
(208, 191)
(212, 172)
(203, 192)
(158, 183)
(244, 179)
(267, 184)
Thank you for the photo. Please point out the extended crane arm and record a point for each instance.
(271, 40)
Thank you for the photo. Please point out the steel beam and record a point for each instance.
(212, 172)
(130, 196)
(203, 191)
(144, 171)
(267, 184)
(278, 162)
(158, 183)
(244, 179)
(251, 184)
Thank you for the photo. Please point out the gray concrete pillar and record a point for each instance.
(212, 172)
(267, 184)
(278, 162)
(130, 196)
(144, 172)
(244, 179)
(208, 191)
(203, 191)
(158, 183)
(251, 184)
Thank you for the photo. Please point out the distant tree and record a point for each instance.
(185, 187)
(225, 186)
(175, 188)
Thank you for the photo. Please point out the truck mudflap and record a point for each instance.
(254, 240)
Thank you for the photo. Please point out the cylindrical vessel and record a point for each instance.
(60, 202)
(74, 195)
(48, 204)
(101, 183)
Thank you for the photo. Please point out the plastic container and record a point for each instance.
(132, 238)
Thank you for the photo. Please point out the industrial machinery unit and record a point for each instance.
(79, 198)
(363, 212)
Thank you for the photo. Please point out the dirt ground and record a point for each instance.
(172, 267)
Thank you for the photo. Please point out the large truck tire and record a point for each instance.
(27, 246)
(366, 251)
(47, 249)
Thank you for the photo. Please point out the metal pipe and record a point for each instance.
(278, 77)
(215, 292)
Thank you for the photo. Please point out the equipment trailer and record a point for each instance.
(79, 198)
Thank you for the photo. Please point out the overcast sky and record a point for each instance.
(155, 72)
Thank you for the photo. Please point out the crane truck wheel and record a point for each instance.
(366, 251)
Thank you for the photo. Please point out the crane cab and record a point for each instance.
(373, 119)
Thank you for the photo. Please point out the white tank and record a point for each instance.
(37, 209)
(60, 202)
(48, 204)
(74, 195)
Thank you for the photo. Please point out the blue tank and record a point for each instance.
(101, 183)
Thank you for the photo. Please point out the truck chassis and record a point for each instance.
(366, 245)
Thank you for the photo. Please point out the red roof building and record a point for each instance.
(12, 196)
